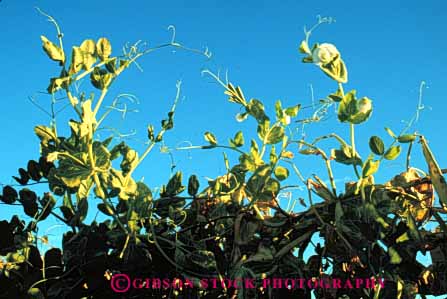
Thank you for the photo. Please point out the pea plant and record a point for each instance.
(233, 227)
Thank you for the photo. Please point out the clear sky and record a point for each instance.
(389, 48)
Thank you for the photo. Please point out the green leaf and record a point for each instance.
(193, 185)
(364, 110)
(276, 135)
(9, 195)
(88, 54)
(174, 185)
(293, 110)
(344, 156)
(247, 163)
(100, 78)
(436, 175)
(105, 209)
(392, 153)
(82, 209)
(54, 52)
(394, 256)
(304, 48)
(337, 96)
(281, 173)
(103, 48)
(240, 117)
(256, 109)
(376, 145)
(354, 111)
(391, 133)
(370, 167)
(411, 223)
(130, 160)
(273, 156)
(72, 174)
(45, 134)
(238, 140)
(35, 293)
(210, 138)
(347, 106)
(338, 213)
(336, 69)
(117, 180)
(263, 129)
(77, 60)
(406, 138)
(101, 156)
(48, 203)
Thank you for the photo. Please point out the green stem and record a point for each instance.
(101, 98)
(352, 132)
(353, 152)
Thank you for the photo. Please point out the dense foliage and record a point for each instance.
(233, 227)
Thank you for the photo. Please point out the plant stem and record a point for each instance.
(101, 98)
(352, 133)
(353, 152)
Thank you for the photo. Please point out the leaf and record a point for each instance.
(364, 110)
(276, 135)
(240, 117)
(238, 140)
(411, 223)
(394, 256)
(174, 185)
(344, 156)
(391, 133)
(88, 54)
(72, 174)
(82, 209)
(54, 52)
(193, 185)
(406, 138)
(436, 175)
(370, 167)
(9, 195)
(100, 78)
(347, 106)
(281, 173)
(101, 156)
(130, 160)
(336, 69)
(35, 293)
(105, 209)
(45, 134)
(210, 138)
(48, 203)
(304, 48)
(256, 109)
(77, 60)
(293, 111)
(376, 145)
(33, 169)
(103, 48)
(28, 199)
(338, 213)
(392, 153)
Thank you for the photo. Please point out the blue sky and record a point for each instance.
(389, 48)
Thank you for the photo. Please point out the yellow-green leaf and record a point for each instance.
(392, 153)
(54, 52)
(281, 173)
(103, 48)
(436, 175)
(210, 138)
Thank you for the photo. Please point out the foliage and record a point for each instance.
(233, 227)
